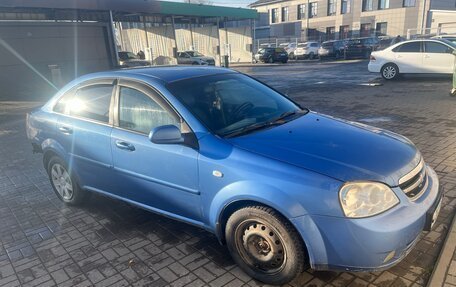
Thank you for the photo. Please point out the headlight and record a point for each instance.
(363, 199)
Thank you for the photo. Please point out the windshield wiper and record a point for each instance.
(274, 122)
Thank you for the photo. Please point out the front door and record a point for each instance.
(438, 58)
(161, 176)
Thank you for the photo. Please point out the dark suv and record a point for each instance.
(331, 49)
(271, 55)
(360, 47)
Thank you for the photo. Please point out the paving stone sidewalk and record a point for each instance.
(109, 243)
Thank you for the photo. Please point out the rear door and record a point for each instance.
(438, 58)
(409, 57)
(84, 130)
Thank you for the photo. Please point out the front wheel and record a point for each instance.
(311, 56)
(390, 71)
(63, 183)
(265, 245)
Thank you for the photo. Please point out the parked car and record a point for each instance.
(282, 186)
(290, 48)
(412, 57)
(129, 59)
(449, 37)
(307, 50)
(271, 55)
(194, 58)
(358, 48)
(331, 49)
(383, 43)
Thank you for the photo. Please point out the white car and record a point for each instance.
(449, 37)
(307, 50)
(290, 48)
(424, 56)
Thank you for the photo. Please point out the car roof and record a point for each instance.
(164, 73)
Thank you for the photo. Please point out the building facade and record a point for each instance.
(339, 19)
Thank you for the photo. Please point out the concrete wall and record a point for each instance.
(442, 21)
(35, 56)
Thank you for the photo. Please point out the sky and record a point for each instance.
(229, 3)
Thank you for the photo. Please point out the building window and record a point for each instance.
(301, 11)
(383, 4)
(330, 33)
(368, 5)
(409, 3)
(381, 29)
(284, 14)
(345, 7)
(274, 15)
(331, 7)
(344, 32)
(313, 9)
(366, 30)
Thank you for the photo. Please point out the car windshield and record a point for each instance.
(195, 54)
(234, 104)
(449, 42)
(127, 56)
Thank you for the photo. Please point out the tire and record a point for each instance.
(271, 60)
(291, 56)
(311, 55)
(337, 55)
(265, 245)
(195, 63)
(284, 61)
(59, 176)
(390, 71)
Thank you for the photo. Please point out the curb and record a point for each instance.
(439, 273)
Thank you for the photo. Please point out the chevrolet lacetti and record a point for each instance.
(283, 187)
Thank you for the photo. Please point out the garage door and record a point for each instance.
(35, 57)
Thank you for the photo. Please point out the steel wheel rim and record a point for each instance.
(389, 72)
(62, 181)
(260, 246)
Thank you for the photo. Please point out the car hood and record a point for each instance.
(343, 150)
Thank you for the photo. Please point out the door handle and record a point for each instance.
(125, 146)
(65, 130)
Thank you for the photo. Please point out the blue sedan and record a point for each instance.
(283, 187)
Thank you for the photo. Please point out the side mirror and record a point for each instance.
(168, 134)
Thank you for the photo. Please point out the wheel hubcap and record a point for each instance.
(261, 247)
(389, 72)
(62, 181)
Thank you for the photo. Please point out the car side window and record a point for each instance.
(433, 47)
(138, 112)
(60, 106)
(91, 102)
(412, 47)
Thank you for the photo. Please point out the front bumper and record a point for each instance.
(368, 244)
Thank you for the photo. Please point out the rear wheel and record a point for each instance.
(311, 55)
(390, 71)
(265, 245)
(63, 183)
(337, 55)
